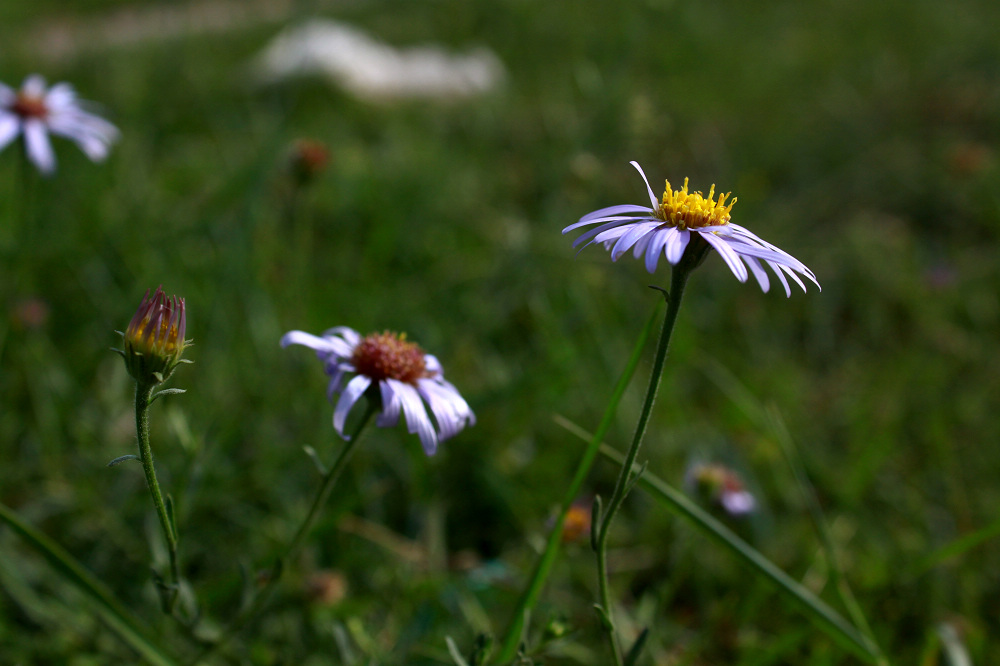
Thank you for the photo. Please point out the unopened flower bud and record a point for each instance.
(154, 339)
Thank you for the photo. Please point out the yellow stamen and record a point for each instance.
(691, 210)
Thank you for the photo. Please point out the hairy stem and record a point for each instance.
(679, 278)
(143, 393)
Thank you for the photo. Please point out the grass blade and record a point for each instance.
(832, 623)
(119, 619)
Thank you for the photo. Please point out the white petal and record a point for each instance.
(730, 256)
(307, 340)
(349, 335)
(390, 404)
(417, 420)
(34, 86)
(652, 197)
(593, 233)
(629, 238)
(10, 127)
(758, 272)
(354, 390)
(36, 140)
(607, 213)
(450, 410)
(657, 241)
(677, 242)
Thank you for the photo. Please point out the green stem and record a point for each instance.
(329, 481)
(143, 394)
(512, 637)
(678, 281)
(832, 623)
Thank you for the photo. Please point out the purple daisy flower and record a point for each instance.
(406, 378)
(36, 112)
(669, 227)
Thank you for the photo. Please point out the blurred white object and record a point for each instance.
(373, 70)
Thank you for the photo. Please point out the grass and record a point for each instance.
(859, 137)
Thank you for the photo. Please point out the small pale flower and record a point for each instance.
(36, 111)
(154, 339)
(681, 219)
(723, 486)
(393, 370)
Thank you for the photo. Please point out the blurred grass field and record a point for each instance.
(859, 137)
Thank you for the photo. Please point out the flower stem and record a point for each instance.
(143, 394)
(329, 481)
(529, 597)
(679, 278)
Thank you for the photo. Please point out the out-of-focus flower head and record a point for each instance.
(154, 339)
(688, 221)
(326, 587)
(30, 314)
(722, 486)
(578, 521)
(390, 369)
(35, 111)
(308, 159)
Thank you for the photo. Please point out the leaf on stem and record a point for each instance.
(311, 452)
(605, 618)
(120, 459)
(168, 391)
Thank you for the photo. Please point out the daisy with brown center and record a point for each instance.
(393, 370)
(681, 220)
(36, 111)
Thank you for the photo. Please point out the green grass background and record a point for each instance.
(860, 137)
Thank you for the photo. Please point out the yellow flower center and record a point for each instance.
(29, 107)
(389, 356)
(692, 210)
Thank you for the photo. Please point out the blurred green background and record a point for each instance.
(860, 137)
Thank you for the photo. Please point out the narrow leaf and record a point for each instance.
(120, 459)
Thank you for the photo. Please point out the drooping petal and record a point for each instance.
(417, 420)
(450, 410)
(354, 390)
(391, 404)
(758, 272)
(658, 239)
(729, 255)
(36, 141)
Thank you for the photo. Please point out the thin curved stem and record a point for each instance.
(322, 495)
(143, 393)
(678, 281)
